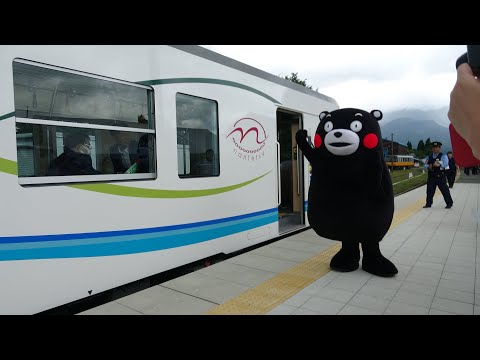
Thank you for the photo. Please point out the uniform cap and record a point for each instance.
(436, 143)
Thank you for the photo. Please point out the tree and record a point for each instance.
(422, 149)
(294, 78)
(421, 145)
(409, 145)
(428, 144)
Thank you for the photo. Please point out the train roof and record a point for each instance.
(237, 65)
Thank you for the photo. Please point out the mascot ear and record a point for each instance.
(377, 114)
(323, 114)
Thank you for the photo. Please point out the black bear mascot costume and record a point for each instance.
(351, 195)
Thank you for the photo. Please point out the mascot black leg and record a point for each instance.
(347, 258)
(375, 263)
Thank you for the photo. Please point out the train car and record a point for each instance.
(207, 165)
(400, 161)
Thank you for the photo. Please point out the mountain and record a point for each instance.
(438, 115)
(414, 125)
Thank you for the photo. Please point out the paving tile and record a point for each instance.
(158, 300)
(378, 291)
(356, 310)
(452, 306)
(415, 287)
(282, 309)
(413, 298)
(339, 295)
(439, 312)
(451, 294)
(398, 308)
(111, 308)
(302, 311)
(369, 302)
(323, 306)
(207, 288)
(240, 274)
(347, 283)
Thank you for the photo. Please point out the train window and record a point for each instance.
(70, 124)
(197, 137)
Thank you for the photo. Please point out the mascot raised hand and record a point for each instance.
(350, 198)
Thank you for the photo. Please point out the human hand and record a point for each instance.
(464, 111)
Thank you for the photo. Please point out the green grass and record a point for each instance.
(402, 183)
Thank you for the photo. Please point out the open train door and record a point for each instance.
(289, 172)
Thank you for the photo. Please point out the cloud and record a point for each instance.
(420, 91)
(365, 76)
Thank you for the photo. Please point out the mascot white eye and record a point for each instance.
(356, 126)
(328, 126)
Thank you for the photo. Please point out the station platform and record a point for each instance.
(435, 251)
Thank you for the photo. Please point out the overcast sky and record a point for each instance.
(384, 77)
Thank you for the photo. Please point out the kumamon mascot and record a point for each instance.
(351, 195)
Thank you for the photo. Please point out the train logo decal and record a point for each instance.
(248, 139)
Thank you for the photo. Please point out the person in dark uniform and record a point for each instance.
(452, 171)
(75, 159)
(123, 152)
(437, 163)
(144, 153)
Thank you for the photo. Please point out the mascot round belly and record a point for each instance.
(350, 198)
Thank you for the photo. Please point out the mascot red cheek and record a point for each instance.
(350, 198)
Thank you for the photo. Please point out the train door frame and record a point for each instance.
(290, 174)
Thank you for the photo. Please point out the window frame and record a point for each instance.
(61, 179)
(217, 142)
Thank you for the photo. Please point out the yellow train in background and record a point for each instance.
(400, 161)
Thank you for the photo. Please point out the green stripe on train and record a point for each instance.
(6, 116)
(208, 81)
(10, 167)
(154, 193)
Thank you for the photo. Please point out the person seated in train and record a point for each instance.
(123, 151)
(75, 159)
(205, 166)
(144, 151)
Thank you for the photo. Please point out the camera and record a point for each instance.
(473, 56)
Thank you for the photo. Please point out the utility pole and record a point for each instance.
(392, 154)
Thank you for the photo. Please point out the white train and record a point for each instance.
(218, 171)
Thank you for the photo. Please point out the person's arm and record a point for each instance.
(444, 165)
(464, 111)
(425, 163)
(454, 166)
(301, 137)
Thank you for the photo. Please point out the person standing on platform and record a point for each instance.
(452, 171)
(436, 164)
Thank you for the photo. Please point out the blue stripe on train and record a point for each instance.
(129, 241)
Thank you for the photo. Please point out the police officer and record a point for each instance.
(436, 164)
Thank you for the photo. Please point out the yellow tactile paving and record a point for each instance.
(271, 293)
(404, 214)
